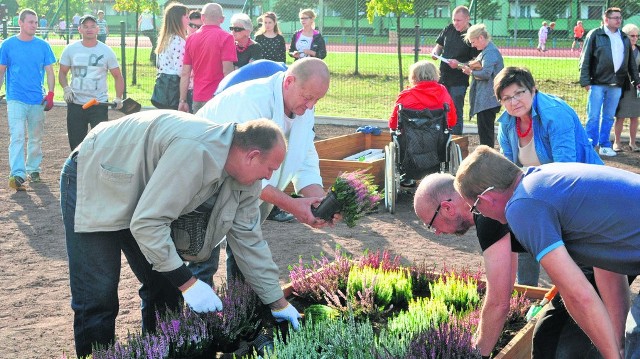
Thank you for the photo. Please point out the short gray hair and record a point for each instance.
(243, 19)
(629, 28)
(423, 71)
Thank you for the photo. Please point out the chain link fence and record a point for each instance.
(363, 55)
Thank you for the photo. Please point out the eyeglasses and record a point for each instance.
(430, 225)
(305, 18)
(194, 26)
(632, 35)
(614, 17)
(516, 96)
(474, 208)
(237, 29)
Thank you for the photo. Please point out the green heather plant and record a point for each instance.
(455, 291)
(422, 314)
(392, 286)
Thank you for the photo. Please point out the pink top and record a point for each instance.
(205, 51)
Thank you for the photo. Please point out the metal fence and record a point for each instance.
(362, 55)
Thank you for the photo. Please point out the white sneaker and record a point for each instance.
(607, 151)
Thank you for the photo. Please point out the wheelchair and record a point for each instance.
(421, 145)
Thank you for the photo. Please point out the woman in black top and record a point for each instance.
(246, 49)
(270, 38)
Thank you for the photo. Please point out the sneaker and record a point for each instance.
(607, 151)
(279, 215)
(17, 183)
(408, 182)
(34, 177)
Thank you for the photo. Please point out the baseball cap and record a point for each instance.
(88, 17)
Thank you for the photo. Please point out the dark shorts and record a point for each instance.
(578, 39)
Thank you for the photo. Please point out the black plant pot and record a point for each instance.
(328, 207)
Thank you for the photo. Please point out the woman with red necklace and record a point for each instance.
(247, 49)
(535, 129)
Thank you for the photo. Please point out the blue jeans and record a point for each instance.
(601, 109)
(94, 271)
(632, 335)
(457, 95)
(30, 118)
(528, 270)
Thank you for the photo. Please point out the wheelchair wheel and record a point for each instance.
(455, 157)
(390, 180)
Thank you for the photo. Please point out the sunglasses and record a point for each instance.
(194, 26)
(236, 29)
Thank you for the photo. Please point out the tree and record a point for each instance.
(135, 6)
(397, 7)
(551, 9)
(288, 10)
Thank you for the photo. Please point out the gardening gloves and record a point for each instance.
(68, 94)
(118, 102)
(47, 101)
(201, 298)
(289, 313)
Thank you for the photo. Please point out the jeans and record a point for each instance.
(79, 120)
(102, 38)
(632, 335)
(601, 108)
(151, 34)
(94, 271)
(21, 115)
(457, 95)
(528, 270)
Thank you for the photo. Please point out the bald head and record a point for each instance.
(305, 82)
(212, 14)
(309, 67)
(433, 189)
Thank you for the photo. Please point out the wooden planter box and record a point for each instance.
(332, 151)
(520, 345)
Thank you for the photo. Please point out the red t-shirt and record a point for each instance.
(205, 51)
(426, 94)
(578, 31)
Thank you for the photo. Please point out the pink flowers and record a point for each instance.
(356, 194)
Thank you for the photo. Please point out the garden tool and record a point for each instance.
(129, 105)
(537, 307)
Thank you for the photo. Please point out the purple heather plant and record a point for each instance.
(449, 340)
(311, 281)
(384, 262)
(357, 195)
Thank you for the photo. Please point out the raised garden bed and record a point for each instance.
(398, 306)
(332, 151)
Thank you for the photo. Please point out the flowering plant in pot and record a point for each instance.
(353, 195)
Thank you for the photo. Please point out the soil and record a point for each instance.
(37, 320)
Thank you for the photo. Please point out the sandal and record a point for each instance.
(634, 148)
(617, 147)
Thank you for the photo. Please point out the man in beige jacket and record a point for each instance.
(164, 187)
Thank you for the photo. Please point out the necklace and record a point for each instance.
(241, 49)
(526, 133)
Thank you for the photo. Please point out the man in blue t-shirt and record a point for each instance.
(25, 59)
(561, 212)
(439, 206)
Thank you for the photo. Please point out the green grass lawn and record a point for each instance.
(372, 92)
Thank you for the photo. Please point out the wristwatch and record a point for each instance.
(183, 101)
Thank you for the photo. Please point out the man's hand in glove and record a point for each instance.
(201, 298)
(47, 101)
(289, 313)
(68, 94)
(118, 102)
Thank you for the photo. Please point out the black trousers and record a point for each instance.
(79, 120)
(486, 124)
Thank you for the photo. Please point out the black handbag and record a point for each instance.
(166, 92)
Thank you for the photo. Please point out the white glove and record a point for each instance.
(289, 313)
(201, 298)
(68, 94)
(118, 102)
